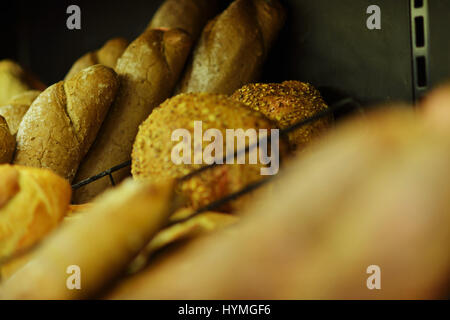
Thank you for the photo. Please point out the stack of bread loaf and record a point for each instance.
(120, 103)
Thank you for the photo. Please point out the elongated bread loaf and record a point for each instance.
(63, 121)
(14, 80)
(7, 142)
(32, 202)
(16, 108)
(101, 243)
(106, 55)
(188, 15)
(233, 47)
(148, 71)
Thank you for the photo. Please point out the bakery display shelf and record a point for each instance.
(341, 106)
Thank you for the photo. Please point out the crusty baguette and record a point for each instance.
(101, 243)
(32, 202)
(106, 55)
(63, 121)
(16, 108)
(14, 80)
(233, 47)
(148, 71)
(188, 15)
(7, 142)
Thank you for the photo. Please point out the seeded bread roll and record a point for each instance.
(14, 80)
(16, 108)
(152, 151)
(233, 47)
(188, 15)
(7, 142)
(63, 121)
(286, 104)
(106, 55)
(148, 71)
(32, 202)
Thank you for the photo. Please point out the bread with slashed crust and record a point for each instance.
(63, 121)
(106, 55)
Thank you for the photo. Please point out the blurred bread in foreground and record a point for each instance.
(375, 192)
(32, 203)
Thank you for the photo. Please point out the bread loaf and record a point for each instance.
(106, 55)
(148, 71)
(32, 202)
(7, 142)
(63, 121)
(233, 47)
(101, 243)
(152, 151)
(14, 80)
(16, 108)
(286, 104)
(188, 15)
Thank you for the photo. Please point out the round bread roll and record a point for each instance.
(152, 150)
(286, 104)
(16, 108)
(32, 202)
(7, 142)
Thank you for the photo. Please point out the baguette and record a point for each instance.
(188, 15)
(148, 71)
(14, 80)
(101, 243)
(7, 142)
(32, 203)
(63, 121)
(16, 108)
(233, 47)
(106, 55)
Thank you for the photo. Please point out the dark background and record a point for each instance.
(324, 42)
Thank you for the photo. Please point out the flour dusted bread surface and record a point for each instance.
(286, 104)
(16, 108)
(233, 47)
(106, 55)
(32, 202)
(188, 15)
(148, 71)
(151, 158)
(7, 142)
(63, 121)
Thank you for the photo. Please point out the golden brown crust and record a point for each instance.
(7, 142)
(63, 121)
(16, 108)
(151, 157)
(106, 55)
(233, 47)
(33, 202)
(14, 80)
(148, 71)
(188, 15)
(286, 104)
(102, 242)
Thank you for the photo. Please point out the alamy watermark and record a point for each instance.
(236, 141)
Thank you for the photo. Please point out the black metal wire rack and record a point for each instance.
(335, 107)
